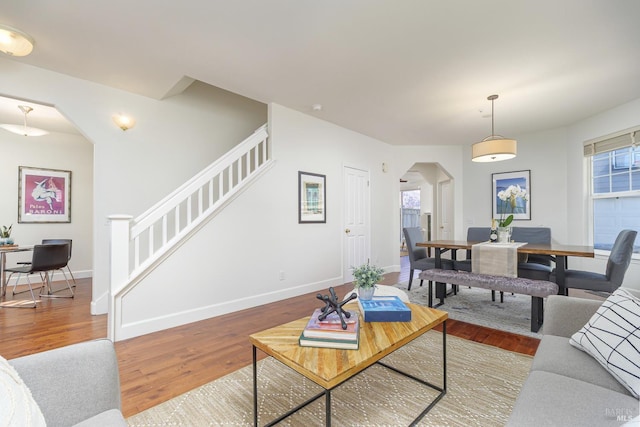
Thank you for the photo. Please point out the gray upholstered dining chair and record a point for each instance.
(535, 267)
(475, 235)
(418, 259)
(619, 260)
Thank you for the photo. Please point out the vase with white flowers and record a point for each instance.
(513, 200)
(365, 278)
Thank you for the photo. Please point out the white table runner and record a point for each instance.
(498, 259)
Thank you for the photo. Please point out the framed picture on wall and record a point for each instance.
(44, 195)
(312, 196)
(511, 192)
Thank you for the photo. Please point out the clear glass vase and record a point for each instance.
(504, 234)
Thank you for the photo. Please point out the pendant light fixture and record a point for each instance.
(24, 129)
(494, 147)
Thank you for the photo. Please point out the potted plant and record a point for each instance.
(365, 278)
(5, 235)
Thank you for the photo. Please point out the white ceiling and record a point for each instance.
(405, 72)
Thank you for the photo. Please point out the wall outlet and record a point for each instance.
(281, 275)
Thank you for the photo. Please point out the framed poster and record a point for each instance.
(511, 195)
(312, 196)
(44, 195)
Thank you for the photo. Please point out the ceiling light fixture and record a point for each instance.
(14, 42)
(123, 121)
(493, 148)
(23, 129)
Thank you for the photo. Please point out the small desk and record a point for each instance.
(558, 251)
(377, 339)
(4, 250)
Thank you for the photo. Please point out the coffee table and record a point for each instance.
(377, 340)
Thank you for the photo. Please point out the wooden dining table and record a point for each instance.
(558, 252)
(4, 250)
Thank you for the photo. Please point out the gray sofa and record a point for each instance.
(75, 385)
(566, 386)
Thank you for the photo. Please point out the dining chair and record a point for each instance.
(418, 258)
(44, 260)
(617, 265)
(54, 242)
(476, 235)
(58, 241)
(534, 266)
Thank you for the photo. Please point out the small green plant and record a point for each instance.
(6, 232)
(367, 275)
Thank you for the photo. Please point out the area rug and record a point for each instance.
(482, 385)
(474, 305)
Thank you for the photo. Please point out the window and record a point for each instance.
(410, 210)
(615, 187)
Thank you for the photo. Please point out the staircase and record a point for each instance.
(139, 244)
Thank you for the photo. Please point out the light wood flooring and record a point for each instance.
(159, 366)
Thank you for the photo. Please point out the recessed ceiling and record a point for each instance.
(42, 116)
(405, 72)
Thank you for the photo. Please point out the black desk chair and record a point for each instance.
(45, 259)
(617, 265)
(418, 259)
(58, 241)
(55, 242)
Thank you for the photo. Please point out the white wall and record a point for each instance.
(558, 182)
(172, 140)
(240, 253)
(236, 260)
(53, 151)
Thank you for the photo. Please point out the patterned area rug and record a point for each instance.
(483, 383)
(474, 305)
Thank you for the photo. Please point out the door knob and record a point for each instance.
(347, 231)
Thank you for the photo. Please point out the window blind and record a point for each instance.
(626, 138)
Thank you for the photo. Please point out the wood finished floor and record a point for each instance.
(159, 366)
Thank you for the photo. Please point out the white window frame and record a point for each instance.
(604, 144)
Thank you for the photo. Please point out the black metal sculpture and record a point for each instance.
(331, 305)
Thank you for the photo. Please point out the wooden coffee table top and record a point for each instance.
(329, 367)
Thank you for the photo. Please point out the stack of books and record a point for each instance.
(384, 309)
(328, 333)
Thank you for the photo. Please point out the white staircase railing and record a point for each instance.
(137, 244)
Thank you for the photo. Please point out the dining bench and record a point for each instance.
(537, 289)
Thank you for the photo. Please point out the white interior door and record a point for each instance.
(357, 248)
(445, 208)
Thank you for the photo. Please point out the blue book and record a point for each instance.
(384, 309)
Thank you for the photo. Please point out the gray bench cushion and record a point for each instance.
(556, 355)
(517, 285)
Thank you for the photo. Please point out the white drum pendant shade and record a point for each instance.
(495, 147)
(494, 150)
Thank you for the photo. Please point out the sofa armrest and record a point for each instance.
(72, 383)
(564, 316)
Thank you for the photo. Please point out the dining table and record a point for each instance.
(4, 250)
(557, 251)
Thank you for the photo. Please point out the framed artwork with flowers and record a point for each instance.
(511, 196)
